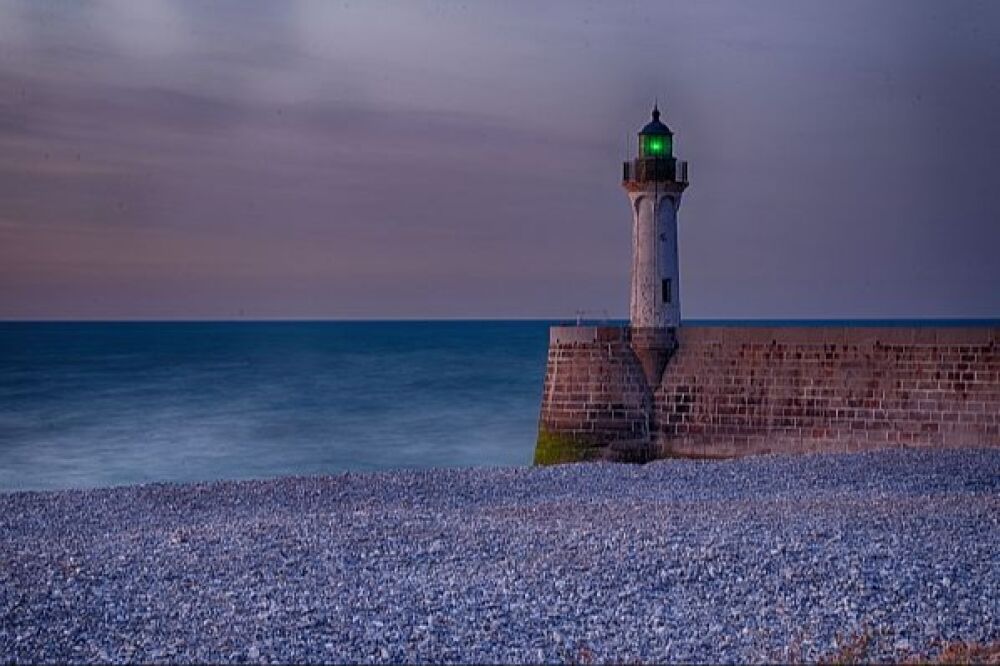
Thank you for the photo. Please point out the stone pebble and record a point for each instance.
(760, 559)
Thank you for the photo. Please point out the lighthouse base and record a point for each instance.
(653, 347)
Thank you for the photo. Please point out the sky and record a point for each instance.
(195, 159)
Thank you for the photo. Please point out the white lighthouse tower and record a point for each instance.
(655, 181)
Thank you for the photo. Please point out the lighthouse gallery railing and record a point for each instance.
(645, 169)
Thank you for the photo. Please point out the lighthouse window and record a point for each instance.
(666, 291)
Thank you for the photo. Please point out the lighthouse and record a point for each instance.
(657, 389)
(654, 182)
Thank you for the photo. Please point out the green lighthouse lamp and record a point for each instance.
(655, 139)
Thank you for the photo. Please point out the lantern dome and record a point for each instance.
(655, 127)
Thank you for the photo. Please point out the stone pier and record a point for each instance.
(614, 393)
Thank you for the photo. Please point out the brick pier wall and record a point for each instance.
(733, 391)
(730, 391)
(595, 401)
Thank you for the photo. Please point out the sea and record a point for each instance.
(86, 405)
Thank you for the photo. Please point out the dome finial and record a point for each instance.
(656, 109)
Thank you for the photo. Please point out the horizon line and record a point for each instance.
(992, 320)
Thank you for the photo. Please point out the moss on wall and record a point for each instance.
(554, 448)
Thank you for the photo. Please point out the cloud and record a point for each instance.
(145, 28)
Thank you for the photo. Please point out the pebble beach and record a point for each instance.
(760, 559)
